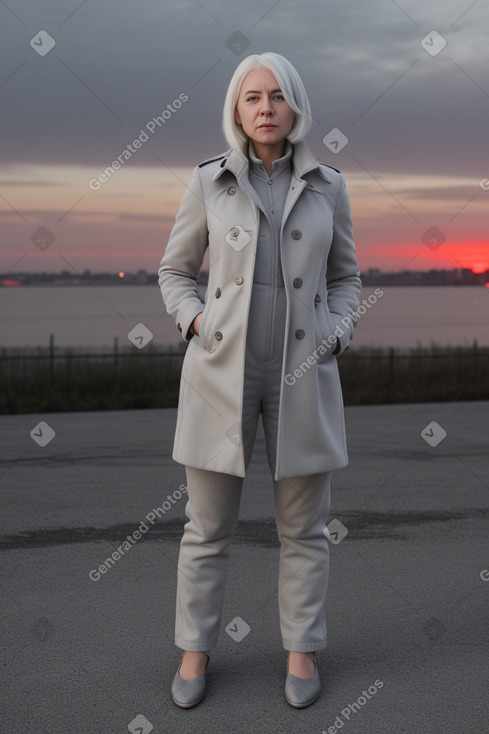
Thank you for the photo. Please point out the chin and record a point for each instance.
(271, 137)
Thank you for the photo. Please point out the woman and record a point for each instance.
(279, 307)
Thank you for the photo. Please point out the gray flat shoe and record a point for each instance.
(188, 693)
(301, 692)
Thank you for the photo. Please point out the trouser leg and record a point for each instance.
(212, 509)
(302, 507)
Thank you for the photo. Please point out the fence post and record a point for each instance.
(476, 359)
(116, 353)
(51, 359)
(391, 365)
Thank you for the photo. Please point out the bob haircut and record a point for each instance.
(292, 89)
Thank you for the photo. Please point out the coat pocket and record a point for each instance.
(206, 340)
(324, 332)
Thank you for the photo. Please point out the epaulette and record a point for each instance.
(328, 166)
(209, 160)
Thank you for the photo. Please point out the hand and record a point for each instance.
(195, 325)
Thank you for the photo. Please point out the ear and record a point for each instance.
(237, 117)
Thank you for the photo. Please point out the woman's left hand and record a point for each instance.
(195, 325)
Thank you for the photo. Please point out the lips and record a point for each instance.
(266, 125)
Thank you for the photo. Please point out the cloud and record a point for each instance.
(443, 193)
(111, 71)
(9, 182)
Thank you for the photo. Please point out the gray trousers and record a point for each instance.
(301, 509)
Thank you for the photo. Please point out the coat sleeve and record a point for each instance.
(181, 263)
(343, 274)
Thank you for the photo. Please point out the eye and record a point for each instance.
(250, 99)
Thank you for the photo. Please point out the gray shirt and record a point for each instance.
(271, 192)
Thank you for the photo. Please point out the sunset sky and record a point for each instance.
(415, 112)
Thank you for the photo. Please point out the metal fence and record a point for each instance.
(56, 378)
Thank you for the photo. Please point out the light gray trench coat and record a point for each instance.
(322, 283)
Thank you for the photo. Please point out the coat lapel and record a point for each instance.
(303, 162)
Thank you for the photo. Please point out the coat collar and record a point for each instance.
(303, 162)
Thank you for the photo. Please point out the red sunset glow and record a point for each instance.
(471, 254)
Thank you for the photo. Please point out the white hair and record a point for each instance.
(292, 89)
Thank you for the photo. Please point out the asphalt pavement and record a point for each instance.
(92, 511)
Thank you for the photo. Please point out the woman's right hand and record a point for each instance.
(195, 325)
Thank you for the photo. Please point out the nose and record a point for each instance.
(266, 108)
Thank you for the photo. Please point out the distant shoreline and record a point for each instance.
(373, 277)
(385, 284)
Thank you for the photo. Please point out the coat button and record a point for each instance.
(239, 280)
(218, 293)
(300, 333)
(231, 190)
(296, 234)
(297, 282)
(317, 299)
(218, 336)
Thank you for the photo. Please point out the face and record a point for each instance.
(262, 110)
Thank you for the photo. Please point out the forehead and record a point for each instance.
(259, 78)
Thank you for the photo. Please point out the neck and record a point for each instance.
(268, 153)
